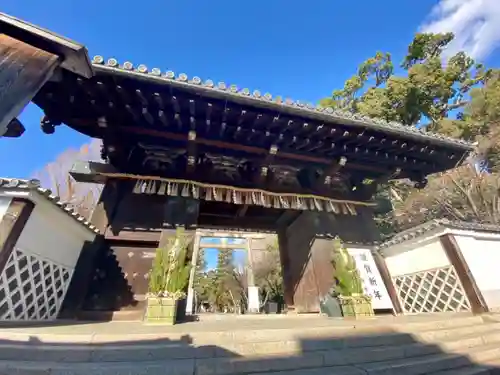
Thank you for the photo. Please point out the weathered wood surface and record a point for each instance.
(306, 256)
(456, 258)
(11, 227)
(23, 71)
(120, 273)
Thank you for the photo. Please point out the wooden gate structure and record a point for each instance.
(182, 151)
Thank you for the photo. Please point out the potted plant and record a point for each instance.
(168, 280)
(348, 288)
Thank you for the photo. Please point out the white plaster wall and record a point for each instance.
(483, 258)
(4, 206)
(419, 257)
(51, 234)
(47, 250)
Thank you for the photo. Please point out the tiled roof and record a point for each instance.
(231, 91)
(422, 229)
(34, 186)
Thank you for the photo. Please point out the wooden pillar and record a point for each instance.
(306, 247)
(24, 69)
(103, 213)
(387, 279)
(457, 260)
(12, 225)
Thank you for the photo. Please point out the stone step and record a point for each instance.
(332, 330)
(341, 348)
(433, 363)
(313, 328)
(272, 366)
(443, 334)
(488, 367)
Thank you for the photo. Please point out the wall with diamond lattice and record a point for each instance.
(436, 290)
(424, 278)
(418, 257)
(36, 276)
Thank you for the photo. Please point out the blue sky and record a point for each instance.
(299, 49)
(239, 255)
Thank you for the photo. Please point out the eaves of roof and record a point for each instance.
(423, 229)
(33, 185)
(257, 99)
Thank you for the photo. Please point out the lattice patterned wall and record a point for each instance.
(32, 288)
(436, 290)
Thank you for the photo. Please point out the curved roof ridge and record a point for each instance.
(423, 228)
(305, 108)
(34, 185)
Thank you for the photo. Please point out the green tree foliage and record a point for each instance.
(169, 274)
(462, 193)
(457, 97)
(346, 274)
(429, 88)
(222, 279)
(200, 273)
(268, 274)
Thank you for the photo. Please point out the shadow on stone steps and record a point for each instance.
(377, 353)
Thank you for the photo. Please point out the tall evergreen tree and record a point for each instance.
(457, 97)
(223, 278)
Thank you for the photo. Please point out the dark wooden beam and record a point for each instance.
(244, 148)
(192, 154)
(330, 171)
(133, 235)
(263, 171)
(387, 279)
(366, 189)
(73, 55)
(88, 171)
(24, 69)
(457, 260)
(12, 225)
(242, 210)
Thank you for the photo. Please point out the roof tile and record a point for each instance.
(421, 229)
(232, 90)
(34, 185)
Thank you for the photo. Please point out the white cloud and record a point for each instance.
(475, 23)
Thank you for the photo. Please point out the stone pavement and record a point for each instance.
(257, 345)
(74, 331)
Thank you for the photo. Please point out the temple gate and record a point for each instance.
(181, 151)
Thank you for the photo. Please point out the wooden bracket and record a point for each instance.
(14, 129)
(262, 174)
(192, 152)
(333, 169)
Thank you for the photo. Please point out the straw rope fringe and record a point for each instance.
(237, 195)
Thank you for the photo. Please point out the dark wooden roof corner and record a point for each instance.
(15, 129)
(89, 171)
(74, 55)
(29, 57)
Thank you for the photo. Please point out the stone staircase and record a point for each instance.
(442, 344)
